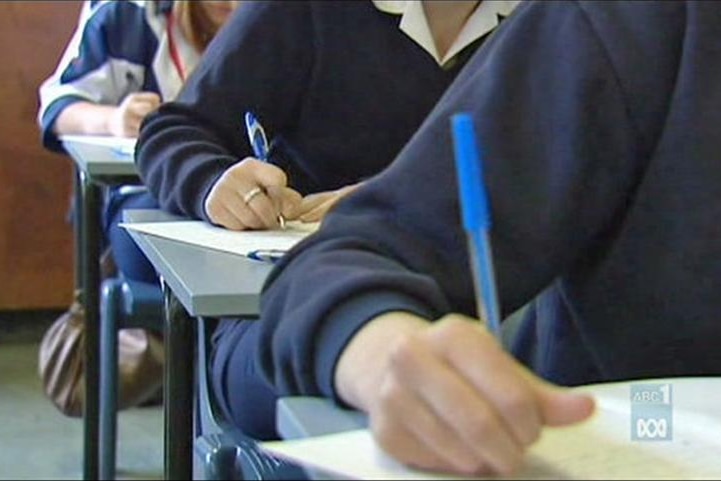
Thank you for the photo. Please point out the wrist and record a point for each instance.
(365, 359)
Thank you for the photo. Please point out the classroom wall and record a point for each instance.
(36, 244)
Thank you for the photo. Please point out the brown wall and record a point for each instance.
(36, 254)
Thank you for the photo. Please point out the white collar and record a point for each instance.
(414, 23)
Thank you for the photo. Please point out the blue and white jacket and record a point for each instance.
(119, 47)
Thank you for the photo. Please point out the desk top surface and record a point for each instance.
(207, 282)
(100, 156)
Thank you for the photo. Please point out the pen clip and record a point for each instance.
(476, 219)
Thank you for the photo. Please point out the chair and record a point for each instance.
(221, 450)
(123, 304)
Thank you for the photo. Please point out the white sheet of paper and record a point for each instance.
(236, 242)
(122, 145)
(599, 448)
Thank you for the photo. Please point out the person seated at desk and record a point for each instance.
(603, 172)
(340, 87)
(124, 59)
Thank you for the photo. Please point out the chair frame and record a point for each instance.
(123, 304)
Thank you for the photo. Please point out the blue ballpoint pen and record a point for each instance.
(259, 143)
(267, 255)
(476, 219)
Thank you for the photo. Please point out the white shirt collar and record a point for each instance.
(414, 24)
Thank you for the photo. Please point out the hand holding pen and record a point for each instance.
(252, 194)
(476, 219)
(446, 396)
(259, 141)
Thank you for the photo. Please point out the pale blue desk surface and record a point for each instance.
(99, 160)
(207, 282)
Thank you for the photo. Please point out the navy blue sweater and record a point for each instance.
(600, 123)
(337, 86)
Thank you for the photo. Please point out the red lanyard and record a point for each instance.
(172, 47)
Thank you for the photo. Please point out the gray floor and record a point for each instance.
(38, 442)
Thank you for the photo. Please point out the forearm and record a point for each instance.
(84, 118)
(179, 160)
(365, 360)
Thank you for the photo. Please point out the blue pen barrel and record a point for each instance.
(256, 136)
(476, 218)
(259, 143)
(484, 274)
(469, 166)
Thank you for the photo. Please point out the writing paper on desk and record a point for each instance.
(123, 146)
(203, 234)
(600, 448)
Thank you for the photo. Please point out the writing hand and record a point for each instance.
(125, 120)
(314, 207)
(447, 397)
(250, 195)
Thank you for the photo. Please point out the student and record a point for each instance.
(124, 59)
(339, 87)
(601, 143)
(120, 65)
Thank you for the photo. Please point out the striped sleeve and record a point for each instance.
(105, 60)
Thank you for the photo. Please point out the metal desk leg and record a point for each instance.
(90, 196)
(180, 332)
(77, 220)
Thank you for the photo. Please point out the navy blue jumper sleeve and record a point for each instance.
(189, 143)
(337, 86)
(586, 111)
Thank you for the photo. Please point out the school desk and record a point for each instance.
(197, 282)
(99, 162)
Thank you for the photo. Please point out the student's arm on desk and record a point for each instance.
(446, 397)
(225, 204)
(123, 120)
(600, 448)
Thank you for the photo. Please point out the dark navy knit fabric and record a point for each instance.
(339, 89)
(600, 125)
(337, 106)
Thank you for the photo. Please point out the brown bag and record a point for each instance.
(62, 355)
